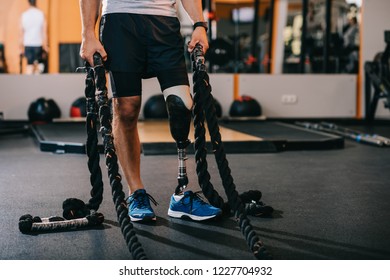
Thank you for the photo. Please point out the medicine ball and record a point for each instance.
(55, 110)
(43, 110)
(245, 106)
(79, 108)
(155, 108)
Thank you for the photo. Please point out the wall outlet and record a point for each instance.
(289, 99)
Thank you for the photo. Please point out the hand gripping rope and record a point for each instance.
(204, 108)
(76, 213)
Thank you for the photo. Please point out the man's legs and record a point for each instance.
(30, 69)
(29, 54)
(33, 55)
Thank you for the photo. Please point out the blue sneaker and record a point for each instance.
(139, 206)
(192, 206)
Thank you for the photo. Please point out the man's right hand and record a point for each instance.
(89, 46)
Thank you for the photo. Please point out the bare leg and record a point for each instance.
(29, 69)
(36, 69)
(126, 139)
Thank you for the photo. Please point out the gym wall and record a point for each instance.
(281, 96)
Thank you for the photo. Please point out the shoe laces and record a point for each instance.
(194, 196)
(142, 199)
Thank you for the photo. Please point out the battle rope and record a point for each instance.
(115, 178)
(77, 214)
(92, 150)
(204, 106)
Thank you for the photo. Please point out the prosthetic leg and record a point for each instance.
(179, 103)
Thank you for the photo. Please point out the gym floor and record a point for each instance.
(329, 204)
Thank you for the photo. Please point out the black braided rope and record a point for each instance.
(76, 212)
(92, 142)
(204, 106)
(115, 178)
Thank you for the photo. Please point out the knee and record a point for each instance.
(129, 115)
(126, 110)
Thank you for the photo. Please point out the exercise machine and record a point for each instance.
(377, 77)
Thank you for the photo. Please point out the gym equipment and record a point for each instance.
(220, 52)
(253, 205)
(13, 127)
(272, 136)
(218, 108)
(29, 224)
(355, 135)
(245, 106)
(43, 110)
(377, 76)
(204, 109)
(155, 107)
(78, 108)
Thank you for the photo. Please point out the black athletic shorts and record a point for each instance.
(33, 54)
(140, 47)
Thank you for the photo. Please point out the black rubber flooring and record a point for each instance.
(330, 204)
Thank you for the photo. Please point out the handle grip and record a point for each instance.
(97, 59)
(198, 58)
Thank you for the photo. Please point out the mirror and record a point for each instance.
(331, 32)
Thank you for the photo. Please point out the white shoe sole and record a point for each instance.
(146, 219)
(176, 214)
